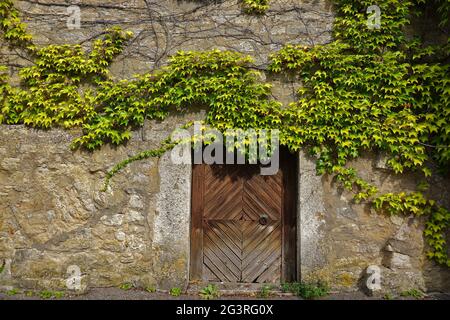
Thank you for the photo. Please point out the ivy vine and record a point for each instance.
(255, 6)
(367, 90)
(375, 89)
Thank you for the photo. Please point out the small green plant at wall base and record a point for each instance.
(126, 286)
(413, 293)
(265, 291)
(209, 292)
(306, 290)
(45, 294)
(29, 293)
(388, 296)
(175, 292)
(151, 289)
(12, 292)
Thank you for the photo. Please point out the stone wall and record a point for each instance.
(53, 216)
(340, 239)
(162, 27)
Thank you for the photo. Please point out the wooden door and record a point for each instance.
(244, 223)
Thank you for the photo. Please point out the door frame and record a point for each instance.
(289, 263)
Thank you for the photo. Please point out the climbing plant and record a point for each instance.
(375, 89)
(14, 31)
(370, 89)
(255, 6)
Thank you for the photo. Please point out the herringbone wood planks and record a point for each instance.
(238, 228)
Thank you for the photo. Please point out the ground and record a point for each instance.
(137, 294)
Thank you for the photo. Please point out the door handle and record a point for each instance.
(263, 219)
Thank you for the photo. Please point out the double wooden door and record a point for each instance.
(244, 223)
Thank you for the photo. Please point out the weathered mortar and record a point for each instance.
(52, 214)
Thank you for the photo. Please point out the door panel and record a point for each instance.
(243, 229)
(262, 196)
(222, 250)
(261, 252)
(223, 186)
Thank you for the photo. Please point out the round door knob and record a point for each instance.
(263, 219)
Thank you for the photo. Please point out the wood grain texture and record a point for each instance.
(244, 228)
(196, 261)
